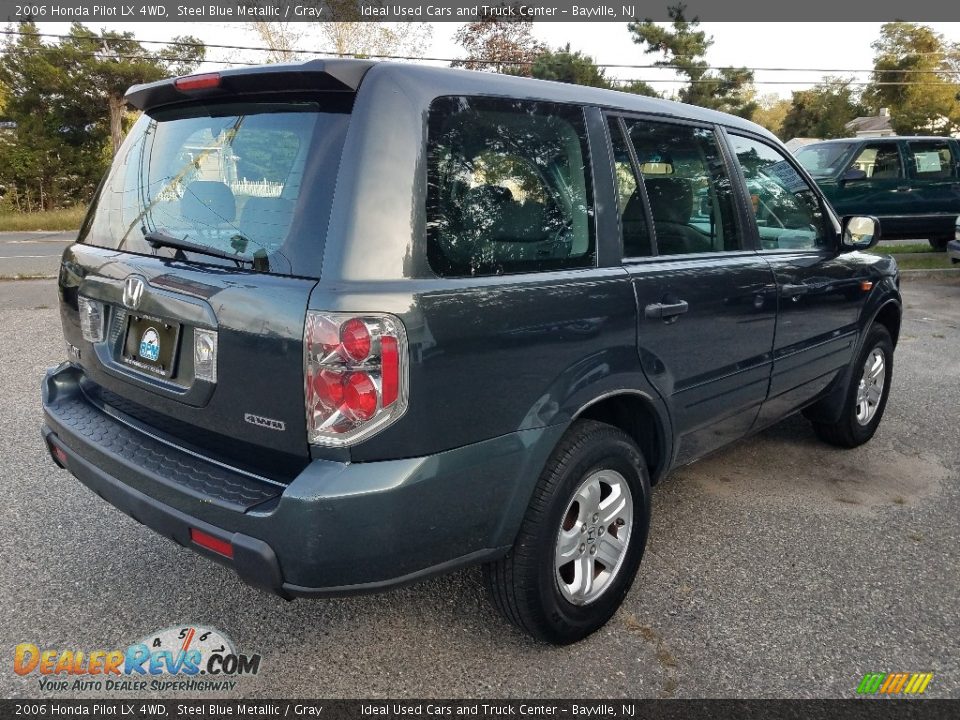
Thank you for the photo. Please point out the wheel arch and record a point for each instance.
(890, 316)
(636, 413)
(827, 409)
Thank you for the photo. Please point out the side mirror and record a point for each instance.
(860, 232)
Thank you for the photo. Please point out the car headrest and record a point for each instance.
(671, 199)
(491, 210)
(208, 202)
(266, 220)
(266, 210)
(526, 222)
(635, 210)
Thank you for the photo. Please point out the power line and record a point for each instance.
(618, 66)
(708, 81)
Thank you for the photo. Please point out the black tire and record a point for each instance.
(848, 432)
(939, 244)
(523, 585)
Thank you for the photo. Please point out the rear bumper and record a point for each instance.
(336, 529)
(953, 250)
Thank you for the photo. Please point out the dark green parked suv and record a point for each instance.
(911, 184)
(343, 325)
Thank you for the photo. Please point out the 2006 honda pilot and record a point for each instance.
(343, 325)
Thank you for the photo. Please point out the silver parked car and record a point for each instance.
(953, 247)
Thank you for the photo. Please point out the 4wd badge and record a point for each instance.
(150, 345)
(264, 422)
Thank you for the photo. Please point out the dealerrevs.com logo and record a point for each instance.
(189, 658)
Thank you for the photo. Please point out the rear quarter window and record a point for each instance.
(508, 187)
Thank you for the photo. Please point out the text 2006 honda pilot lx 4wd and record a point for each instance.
(343, 325)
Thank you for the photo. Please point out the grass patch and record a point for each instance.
(906, 248)
(917, 261)
(66, 219)
(27, 276)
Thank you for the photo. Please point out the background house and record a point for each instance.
(872, 125)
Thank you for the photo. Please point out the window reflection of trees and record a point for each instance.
(508, 188)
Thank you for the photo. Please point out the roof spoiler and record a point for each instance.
(313, 75)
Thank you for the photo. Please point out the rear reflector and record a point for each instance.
(59, 456)
(197, 82)
(205, 540)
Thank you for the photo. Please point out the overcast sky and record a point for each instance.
(839, 48)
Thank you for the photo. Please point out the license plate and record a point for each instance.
(151, 344)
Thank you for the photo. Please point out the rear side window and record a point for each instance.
(880, 161)
(688, 188)
(233, 177)
(932, 159)
(509, 187)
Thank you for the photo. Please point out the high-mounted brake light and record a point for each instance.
(355, 375)
(197, 82)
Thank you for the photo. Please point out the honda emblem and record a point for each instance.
(133, 291)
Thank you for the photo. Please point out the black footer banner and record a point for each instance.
(566, 709)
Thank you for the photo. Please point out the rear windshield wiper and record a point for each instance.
(161, 238)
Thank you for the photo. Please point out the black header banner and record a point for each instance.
(212, 709)
(194, 11)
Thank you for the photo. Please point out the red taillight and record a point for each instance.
(355, 339)
(328, 384)
(355, 375)
(208, 541)
(360, 396)
(197, 82)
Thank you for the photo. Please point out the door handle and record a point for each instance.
(665, 311)
(793, 291)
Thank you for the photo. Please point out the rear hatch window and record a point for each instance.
(249, 181)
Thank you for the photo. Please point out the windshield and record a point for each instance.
(237, 178)
(822, 160)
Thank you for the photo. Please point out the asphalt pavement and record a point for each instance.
(30, 254)
(778, 567)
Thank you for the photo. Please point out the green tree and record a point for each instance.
(915, 73)
(565, 65)
(822, 111)
(65, 100)
(56, 148)
(636, 87)
(107, 63)
(684, 48)
(771, 112)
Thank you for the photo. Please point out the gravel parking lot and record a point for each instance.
(779, 567)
